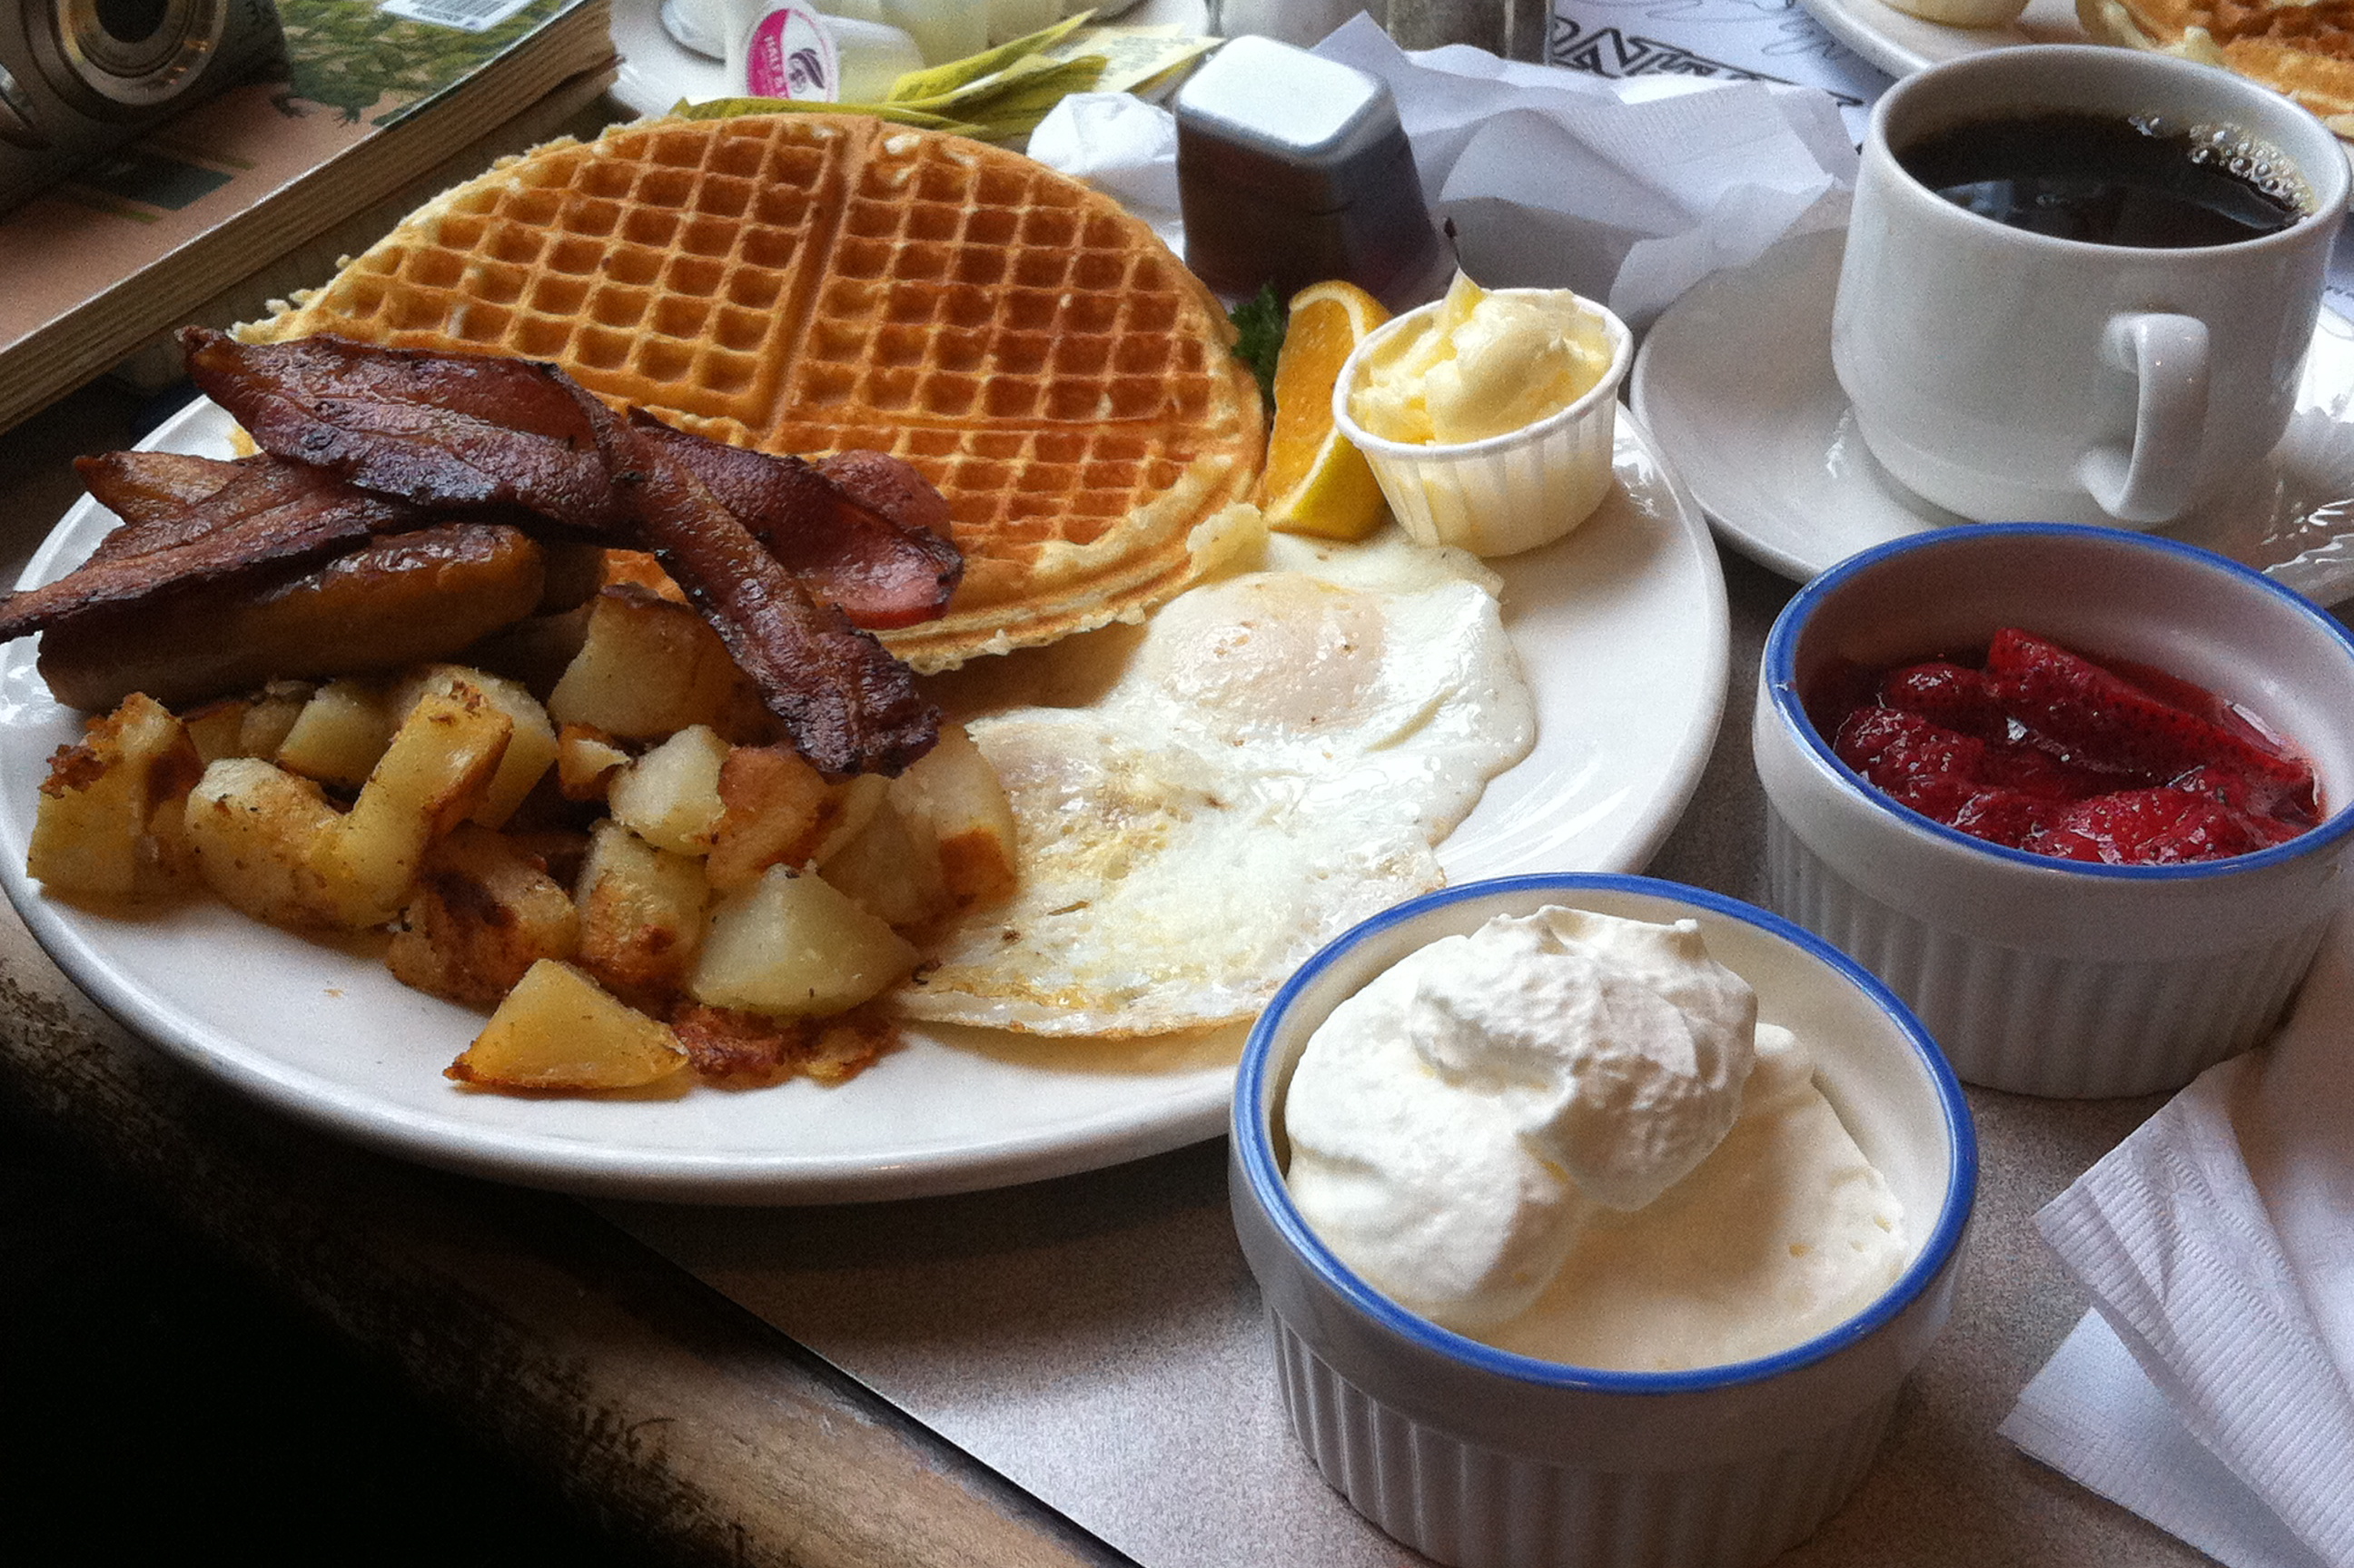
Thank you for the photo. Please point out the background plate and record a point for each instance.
(1899, 44)
(657, 71)
(1621, 633)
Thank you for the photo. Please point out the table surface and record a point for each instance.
(1095, 1340)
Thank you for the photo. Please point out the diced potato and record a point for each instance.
(585, 761)
(669, 797)
(953, 790)
(558, 1032)
(536, 652)
(851, 804)
(531, 747)
(892, 872)
(339, 734)
(647, 667)
(485, 911)
(92, 836)
(264, 725)
(641, 912)
(779, 810)
(216, 728)
(255, 830)
(795, 945)
(431, 778)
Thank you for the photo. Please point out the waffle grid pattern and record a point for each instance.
(806, 283)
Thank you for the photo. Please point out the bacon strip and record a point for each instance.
(849, 706)
(283, 513)
(849, 552)
(439, 430)
(139, 487)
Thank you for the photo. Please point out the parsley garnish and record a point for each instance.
(1261, 321)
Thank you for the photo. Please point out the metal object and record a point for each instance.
(1293, 169)
(80, 76)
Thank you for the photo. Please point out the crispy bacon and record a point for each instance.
(848, 552)
(268, 515)
(364, 441)
(439, 430)
(849, 706)
(139, 487)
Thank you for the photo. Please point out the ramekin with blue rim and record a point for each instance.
(1484, 1458)
(2037, 975)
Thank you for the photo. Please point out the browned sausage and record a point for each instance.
(393, 602)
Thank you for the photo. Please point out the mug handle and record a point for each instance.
(2166, 354)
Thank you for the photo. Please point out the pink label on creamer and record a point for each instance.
(792, 55)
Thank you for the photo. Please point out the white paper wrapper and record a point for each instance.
(2217, 1243)
(1629, 192)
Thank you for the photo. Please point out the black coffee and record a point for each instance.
(2111, 181)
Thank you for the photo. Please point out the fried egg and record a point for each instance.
(1204, 803)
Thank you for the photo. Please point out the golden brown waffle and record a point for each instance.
(808, 283)
(2304, 51)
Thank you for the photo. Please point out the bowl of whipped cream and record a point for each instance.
(1599, 1220)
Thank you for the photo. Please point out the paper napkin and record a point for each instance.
(1629, 192)
(2212, 1391)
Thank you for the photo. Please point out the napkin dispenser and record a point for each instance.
(1292, 169)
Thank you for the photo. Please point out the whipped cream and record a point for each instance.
(1567, 1135)
(1483, 365)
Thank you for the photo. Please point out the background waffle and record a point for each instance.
(808, 283)
(2305, 50)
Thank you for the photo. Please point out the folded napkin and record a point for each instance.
(2211, 1390)
(1629, 192)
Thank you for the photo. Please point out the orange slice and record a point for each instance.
(1316, 482)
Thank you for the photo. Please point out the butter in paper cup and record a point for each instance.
(1507, 493)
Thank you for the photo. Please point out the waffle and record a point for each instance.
(2304, 51)
(806, 283)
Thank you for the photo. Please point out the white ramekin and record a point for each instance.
(2037, 975)
(1507, 493)
(1482, 1458)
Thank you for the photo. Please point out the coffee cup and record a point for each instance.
(2132, 366)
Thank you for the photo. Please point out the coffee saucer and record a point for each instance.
(1735, 382)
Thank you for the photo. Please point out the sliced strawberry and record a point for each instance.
(1950, 694)
(2031, 770)
(2005, 816)
(2263, 798)
(2154, 827)
(1893, 750)
(2098, 719)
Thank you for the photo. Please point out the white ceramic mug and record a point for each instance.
(2006, 375)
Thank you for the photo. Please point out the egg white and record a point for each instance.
(1269, 761)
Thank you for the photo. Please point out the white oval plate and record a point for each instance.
(1900, 44)
(1736, 381)
(1621, 631)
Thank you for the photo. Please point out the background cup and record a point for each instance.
(2002, 374)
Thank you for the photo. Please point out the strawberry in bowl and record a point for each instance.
(2041, 748)
(2079, 796)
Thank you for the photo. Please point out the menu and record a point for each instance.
(369, 95)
